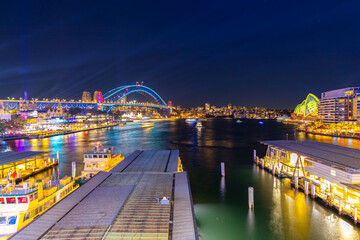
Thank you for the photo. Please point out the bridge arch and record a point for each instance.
(118, 93)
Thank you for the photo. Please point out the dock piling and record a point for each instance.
(57, 156)
(251, 197)
(273, 170)
(296, 178)
(222, 169)
(312, 190)
(254, 155)
(262, 163)
(340, 207)
(355, 214)
(73, 168)
(306, 188)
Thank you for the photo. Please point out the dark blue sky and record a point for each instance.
(253, 53)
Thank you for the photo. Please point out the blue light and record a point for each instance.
(261, 122)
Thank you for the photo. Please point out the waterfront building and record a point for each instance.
(326, 171)
(86, 96)
(340, 105)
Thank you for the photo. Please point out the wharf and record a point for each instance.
(125, 203)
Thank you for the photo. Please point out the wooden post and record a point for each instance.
(296, 182)
(222, 169)
(262, 163)
(254, 155)
(251, 197)
(57, 156)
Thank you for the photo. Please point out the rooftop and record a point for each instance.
(130, 209)
(343, 157)
(10, 157)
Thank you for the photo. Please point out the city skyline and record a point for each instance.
(253, 54)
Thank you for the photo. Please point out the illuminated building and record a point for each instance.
(325, 171)
(309, 107)
(340, 105)
(86, 97)
(207, 107)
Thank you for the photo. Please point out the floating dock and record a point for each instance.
(144, 197)
(325, 171)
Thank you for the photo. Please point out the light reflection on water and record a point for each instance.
(221, 204)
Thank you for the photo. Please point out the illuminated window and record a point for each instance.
(333, 172)
(22, 200)
(11, 200)
(2, 201)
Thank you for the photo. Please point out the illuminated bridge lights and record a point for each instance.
(103, 101)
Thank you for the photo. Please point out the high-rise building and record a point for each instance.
(340, 105)
(86, 96)
(207, 107)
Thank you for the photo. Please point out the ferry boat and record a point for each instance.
(199, 124)
(190, 120)
(146, 125)
(20, 204)
(101, 159)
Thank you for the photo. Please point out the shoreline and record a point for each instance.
(56, 134)
(328, 135)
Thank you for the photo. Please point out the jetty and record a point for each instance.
(146, 196)
(324, 171)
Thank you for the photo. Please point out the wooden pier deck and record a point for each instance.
(124, 203)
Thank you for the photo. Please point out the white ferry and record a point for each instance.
(101, 159)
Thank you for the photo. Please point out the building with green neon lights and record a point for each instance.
(308, 107)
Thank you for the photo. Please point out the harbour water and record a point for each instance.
(220, 203)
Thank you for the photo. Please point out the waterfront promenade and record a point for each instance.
(143, 197)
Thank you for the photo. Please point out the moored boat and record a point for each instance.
(20, 204)
(101, 159)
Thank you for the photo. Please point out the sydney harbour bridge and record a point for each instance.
(104, 102)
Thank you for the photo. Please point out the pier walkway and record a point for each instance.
(143, 197)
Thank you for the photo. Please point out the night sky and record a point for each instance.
(252, 53)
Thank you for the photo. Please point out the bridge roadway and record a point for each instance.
(14, 104)
(122, 204)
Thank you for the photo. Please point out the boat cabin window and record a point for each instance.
(105, 156)
(12, 220)
(35, 196)
(27, 216)
(89, 156)
(2, 200)
(94, 156)
(22, 200)
(86, 156)
(2, 220)
(100, 156)
(11, 200)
